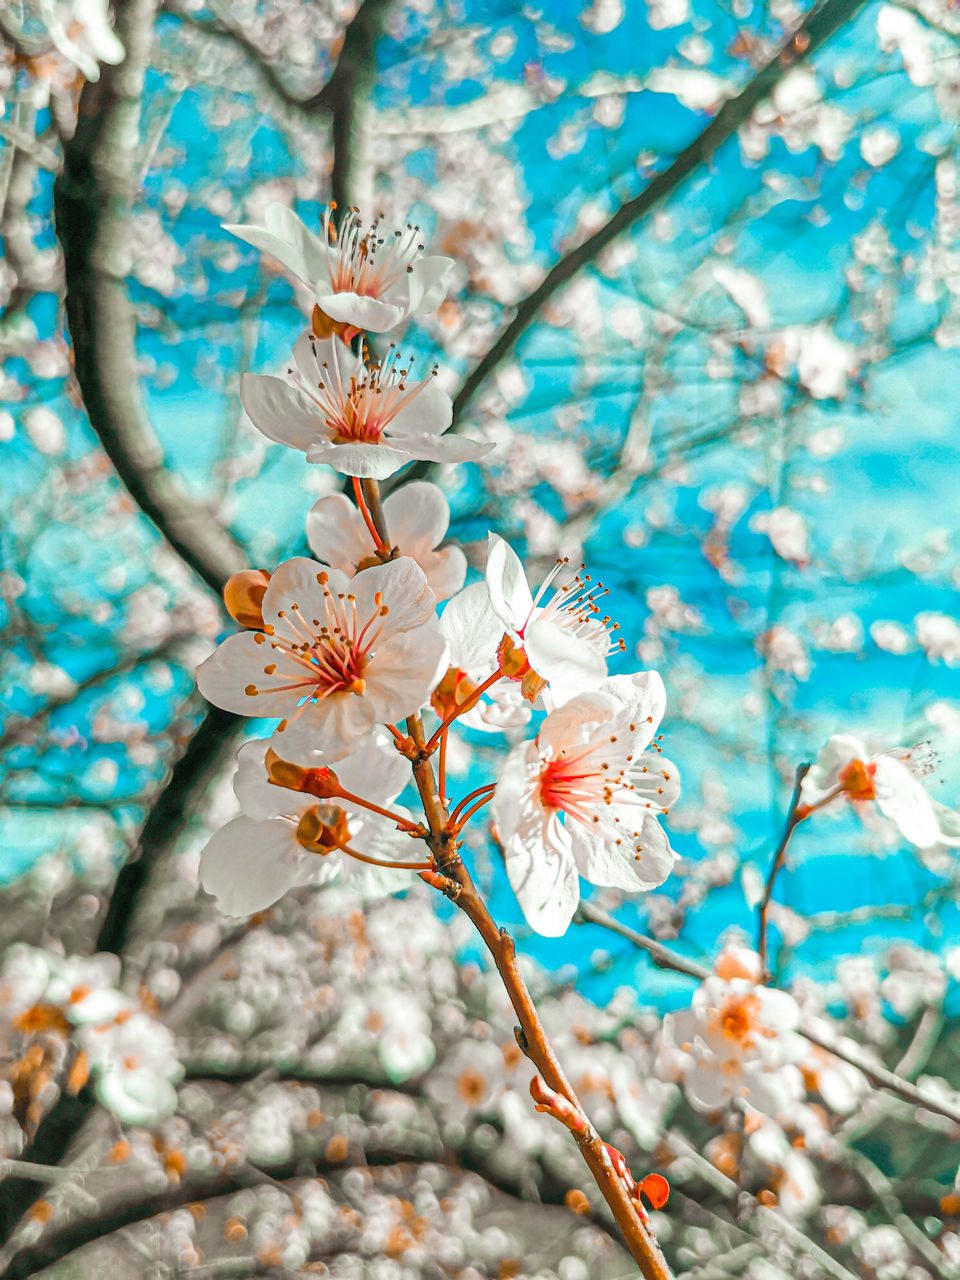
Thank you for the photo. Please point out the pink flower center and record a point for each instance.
(360, 411)
(323, 656)
(368, 263)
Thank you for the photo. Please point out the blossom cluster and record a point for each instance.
(344, 648)
(71, 1023)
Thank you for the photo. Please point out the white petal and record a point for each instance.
(661, 783)
(644, 700)
(576, 722)
(281, 412)
(373, 314)
(948, 820)
(544, 880)
(445, 570)
(335, 726)
(902, 798)
(247, 865)
(432, 448)
(473, 631)
(607, 853)
(138, 1097)
(568, 662)
(366, 461)
(286, 238)
(260, 798)
(326, 360)
(336, 533)
(403, 589)
(428, 413)
(376, 771)
(428, 282)
(238, 664)
(405, 672)
(507, 583)
(296, 582)
(515, 806)
(417, 516)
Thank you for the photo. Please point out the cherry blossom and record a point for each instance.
(585, 797)
(258, 857)
(359, 277)
(846, 769)
(362, 420)
(334, 655)
(417, 517)
(557, 649)
(738, 1039)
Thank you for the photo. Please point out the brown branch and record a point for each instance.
(815, 29)
(92, 197)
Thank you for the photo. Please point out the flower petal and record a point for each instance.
(281, 412)
(367, 461)
(544, 880)
(247, 865)
(262, 799)
(428, 281)
(373, 314)
(417, 516)
(473, 631)
(445, 570)
(286, 238)
(607, 852)
(432, 448)
(403, 589)
(236, 665)
(428, 413)
(404, 673)
(507, 583)
(336, 533)
(902, 798)
(295, 582)
(823, 776)
(568, 662)
(335, 726)
(644, 699)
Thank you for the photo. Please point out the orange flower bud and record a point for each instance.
(452, 691)
(243, 596)
(656, 1188)
(323, 828)
(856, 778)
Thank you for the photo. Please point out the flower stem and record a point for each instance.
(442, 768)
(464, 706)
(404, 823)
(491, 787)
(364, 511)
(455, 881)
(796, 815)
(383, 862)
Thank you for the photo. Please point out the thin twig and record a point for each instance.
(794, 817)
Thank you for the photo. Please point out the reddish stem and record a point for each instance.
(459, 711)
(367, 519)
(442, 768)
(401, 822)
(382, 862)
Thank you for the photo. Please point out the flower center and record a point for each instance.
(573, 606)
(368, 263)
(737, 1019)
(359, 412)
(323, 656)
(856, 778)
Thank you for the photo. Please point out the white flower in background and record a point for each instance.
(81, 31)
(417, 517)
(258, 857)
(358, 277)
(135, 1067)
(335, 655)
(553, 643)
(737, 1040)
(131, 1057)
(585, 797)
(845, 769)
(361, 420)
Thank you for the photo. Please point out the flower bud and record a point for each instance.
(323, 828)
(243, 596)
(856, 778)
(322, 783)
(452, 692)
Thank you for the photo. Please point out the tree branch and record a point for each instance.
(818, 26)
(92, 198)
